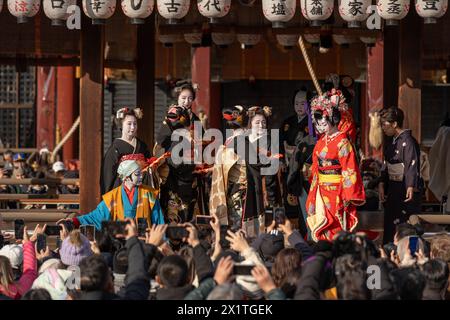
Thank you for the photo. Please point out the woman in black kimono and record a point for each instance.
(179, 192)
(186, 96)
(127, 144)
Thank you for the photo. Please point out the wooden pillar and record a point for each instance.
(201, 75)
(65, 108)
(410, 71)
(91, 113)
(145, 79)
(45, 107)
(390, 66)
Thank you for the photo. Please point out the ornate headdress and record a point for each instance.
(122, 112)
(327, 101)
(266, 111)
(236, 117)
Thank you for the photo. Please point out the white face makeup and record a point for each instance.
(185, 99)
(300, 103)
(258, 124)
(129, 127)
(136, 178)
(322, 126)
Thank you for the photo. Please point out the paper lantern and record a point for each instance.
(23, 9)
(213, 9)
(354, 11)
(169, 39)
(248, 40)
(342, 40)
(194, 39)
(137, 10)
(223, 40)
(56, 10)
(392, 10)
(317, 11)
(173, 10)
(99, 10)
(430, 10)
(313, 39)
(369, 41)
(288, 41)
(279, 11)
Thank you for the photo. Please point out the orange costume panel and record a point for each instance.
(336, 188)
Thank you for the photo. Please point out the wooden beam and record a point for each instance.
(91, 113)
(145, 79)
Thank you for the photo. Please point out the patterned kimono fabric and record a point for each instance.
(335, 188)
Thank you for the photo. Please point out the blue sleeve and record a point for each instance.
(157, 214)
(95, 217)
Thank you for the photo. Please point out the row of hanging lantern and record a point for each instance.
(276, 11)
(249, 40)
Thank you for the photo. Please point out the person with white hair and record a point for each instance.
(131, 199)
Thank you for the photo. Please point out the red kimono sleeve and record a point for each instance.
(353, 188)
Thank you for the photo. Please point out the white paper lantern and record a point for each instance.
(194, 39)
(392, 10)
(354, 11)
(279, 11)
(214, 9)
(137, 10)
(173, 10)
(23, 9)
(317, 11)
(99, 10)
(223, 40)
(56, 10)
(369, 41)
(430, 10)
(169, 39)
(313, 39)
(248, 40)
(288, 41)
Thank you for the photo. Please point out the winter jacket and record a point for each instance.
(314, 277)
(29, 274)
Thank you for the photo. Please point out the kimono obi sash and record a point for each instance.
(396, 171)
(330, 178)
(146, 198)
(329, 167)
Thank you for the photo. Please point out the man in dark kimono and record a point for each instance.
(400, 177)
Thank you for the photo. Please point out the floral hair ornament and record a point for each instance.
(265, 111)
(329, 100)
(120, 114)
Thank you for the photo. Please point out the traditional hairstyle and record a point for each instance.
(126, 111)
(235, 117)
(265, 111)
(186, 85)
(329, 105)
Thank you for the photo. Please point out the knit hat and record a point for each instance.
(126, 168)
(14, 253)
(75, 248)
(58, 166)
(271, 244)
(49, 263)
(120, 261)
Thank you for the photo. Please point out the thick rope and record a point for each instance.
(64, 140)
(308, 64)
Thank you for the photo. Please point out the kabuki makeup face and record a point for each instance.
(185, 99)
(136, 178)
(322, 125)
(129, 127)
(258, 125)
(300, 103)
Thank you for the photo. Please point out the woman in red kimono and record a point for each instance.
(336, 187)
